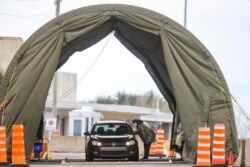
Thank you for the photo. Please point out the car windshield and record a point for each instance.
(111, 129)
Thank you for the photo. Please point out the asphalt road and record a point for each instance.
(77, 160)
(110, 163)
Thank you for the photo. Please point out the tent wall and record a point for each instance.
(181, 66)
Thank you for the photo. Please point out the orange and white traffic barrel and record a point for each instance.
(159, 148)
(56, 132)
(18, 149)
(152, 149)
(218, 154)
(203, 148)
(3, 150)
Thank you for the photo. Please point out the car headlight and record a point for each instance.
(129, 143)
(96, 143)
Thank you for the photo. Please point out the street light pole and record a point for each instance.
(57, 3)
(177, 117)
(185, 13)
(54, 109)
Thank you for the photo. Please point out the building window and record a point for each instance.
(92, 121)
(87, 124)
(61, 125)
(77, 127)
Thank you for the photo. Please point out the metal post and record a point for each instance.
(57, 3)
(185, 13)
(54, 109)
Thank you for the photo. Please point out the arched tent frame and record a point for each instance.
(183, 69)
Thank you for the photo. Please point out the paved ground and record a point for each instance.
(78, 159)
(73, 156)
(110, 163)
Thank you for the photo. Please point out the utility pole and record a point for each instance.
(54, 109)
(57, 3)
(185, 13)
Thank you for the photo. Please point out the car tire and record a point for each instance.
(89, 156)
(134, 157)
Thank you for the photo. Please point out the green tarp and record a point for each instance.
(183, 69)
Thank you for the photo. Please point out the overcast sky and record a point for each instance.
(221, 25)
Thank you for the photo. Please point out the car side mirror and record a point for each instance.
(86, 133)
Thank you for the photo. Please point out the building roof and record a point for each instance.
(147, 114)
(104, 107)
(158, 117)
(111, 121)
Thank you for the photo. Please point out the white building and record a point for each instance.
(8, 48)
(74, 118)
(82, 120)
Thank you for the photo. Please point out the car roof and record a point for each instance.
(110, 121)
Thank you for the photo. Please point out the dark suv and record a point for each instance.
(111, 139)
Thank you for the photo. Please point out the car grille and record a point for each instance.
(113, 148)
(113, 143)
(113, 154)
(113, 151)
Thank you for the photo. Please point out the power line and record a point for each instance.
(27, 0)
(242, 120)
(85, 74)
(17, 15)
(14, 29)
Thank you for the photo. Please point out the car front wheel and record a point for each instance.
(134, 157)
(89, 156)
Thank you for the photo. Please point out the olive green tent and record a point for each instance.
(183, 69)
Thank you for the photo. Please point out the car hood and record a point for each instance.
(112, 136)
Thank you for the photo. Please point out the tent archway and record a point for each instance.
(185, 72)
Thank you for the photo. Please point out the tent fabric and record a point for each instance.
(183, 69)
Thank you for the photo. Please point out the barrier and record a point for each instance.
(152, 149)
(231, 158)
(218, 154)
(56, 132)
(244, 154)
(18, 151)
(32, 154)
(3, 150)
(172, 154)
(45, 151)
(203, 148)
(159, 148)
